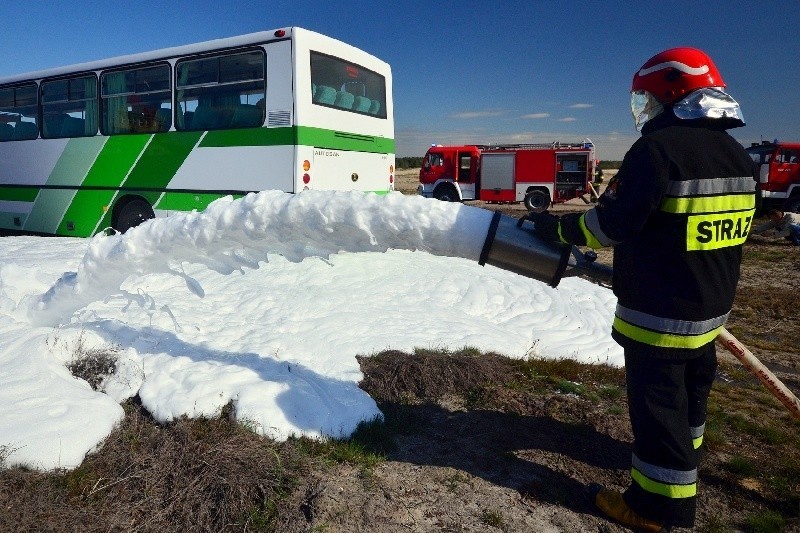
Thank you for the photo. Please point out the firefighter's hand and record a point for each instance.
(545, 226)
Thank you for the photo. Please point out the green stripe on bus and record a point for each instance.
(157, 166)
(70, 170)
(302, 135)
(161, 160)
(18, 194)
(109, 170)
(340, 140)
(187, 201)
(249, 137)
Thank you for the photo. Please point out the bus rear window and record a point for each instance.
(344, 85)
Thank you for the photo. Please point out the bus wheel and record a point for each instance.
(445, 193)
(132, 214)
(537, 201)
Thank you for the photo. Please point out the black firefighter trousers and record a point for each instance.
(667, 401)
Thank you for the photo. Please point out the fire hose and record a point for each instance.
(549, 262)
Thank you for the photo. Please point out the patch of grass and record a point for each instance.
(766, 254)
(376, 436)
(454, 480)
(365, 449)
(714, 524)
(742, 466)
(572, 370)
(610, 393)
(765, 522)
(492, 519)
(570, 387)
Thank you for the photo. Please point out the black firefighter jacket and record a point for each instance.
(677, 214)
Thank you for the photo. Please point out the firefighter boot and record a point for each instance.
(612, 504)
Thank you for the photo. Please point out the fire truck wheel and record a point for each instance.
(445, 193)
(537, 201)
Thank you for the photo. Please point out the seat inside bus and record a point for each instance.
(6, 132)
(247, 115)
(325, 95)
(73, 127)
(26, 130)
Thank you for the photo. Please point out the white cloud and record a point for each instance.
(477, 114)
(536, 115)
(580, 106)
(567, 119)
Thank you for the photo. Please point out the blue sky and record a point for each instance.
(467, 71)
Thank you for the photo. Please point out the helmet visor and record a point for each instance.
(644, 106)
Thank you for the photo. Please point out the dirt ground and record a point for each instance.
(525, 464)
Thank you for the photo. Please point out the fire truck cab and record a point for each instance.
(778, 174)
(537, 174)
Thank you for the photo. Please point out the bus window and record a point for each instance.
(69, 107)
(136, 101)
(18, 113)
(343, 85)
(225, 91)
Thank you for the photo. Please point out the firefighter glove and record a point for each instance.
(545, 226)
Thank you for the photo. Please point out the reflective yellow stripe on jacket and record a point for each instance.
(720, 211)
(665, 332)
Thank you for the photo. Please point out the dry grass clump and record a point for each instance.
(190, 475)
(94, 365)
(428, 376)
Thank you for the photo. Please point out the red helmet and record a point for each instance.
(673, 73)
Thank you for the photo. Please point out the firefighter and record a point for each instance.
(677, 214)
(598, 173)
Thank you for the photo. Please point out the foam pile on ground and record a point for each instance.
(263, 304)
(232, 234)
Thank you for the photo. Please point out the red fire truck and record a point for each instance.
(778, 174)
(537, 174)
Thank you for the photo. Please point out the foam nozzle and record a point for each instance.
(584, 264)
(512, 245)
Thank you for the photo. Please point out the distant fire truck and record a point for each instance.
(537, 174)
(778, 174)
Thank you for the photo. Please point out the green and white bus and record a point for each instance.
(110, 143)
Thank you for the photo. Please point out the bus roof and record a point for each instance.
(166, 53)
